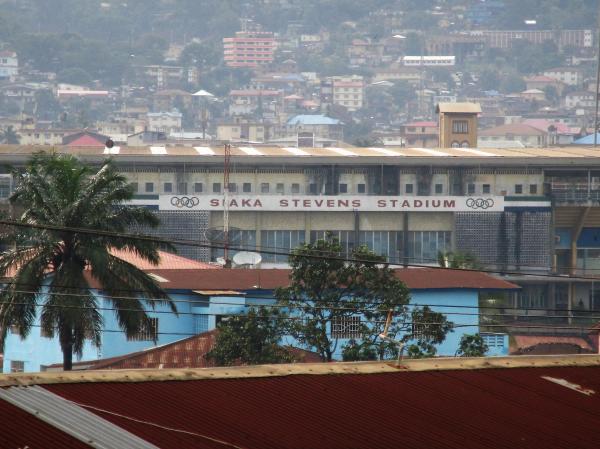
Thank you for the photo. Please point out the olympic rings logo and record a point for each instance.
(185, 201)
(480, 203)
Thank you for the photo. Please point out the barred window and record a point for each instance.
(149, 331)
(460, 126)
(17, 366)
(423, 330)
(345, 327)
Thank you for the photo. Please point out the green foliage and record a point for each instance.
(354, 352)
(326, 289)
(472, 346)
(58, 190)
(9, 136)
(74, 75)
(429, 328)
(458, 259)
(251, 339)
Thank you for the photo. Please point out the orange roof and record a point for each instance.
(168, 261)
(527, 341)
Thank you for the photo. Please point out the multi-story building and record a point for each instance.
(259, 101)
(166, 76)
(167, 122)
(249, 49)
(571, 76)
(420, 134)
(348, 91)
(9, 65)
(562, 38)
(580, 99)
(243, 132)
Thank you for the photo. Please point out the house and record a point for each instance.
(185, 353)
(571, 76)
(509, 402)
(541, 82)
(580, 99)
(166, 76)
(243, 132)
(348, 91)
(260, 101)
(9, 65)
(458, 124)
(169, 99)
(313, 126)
(423, 134)
(533, 95)
(43, 136)
(85, 139)
(205, 295)
(146, 137)
(528, 135)
(167, 122)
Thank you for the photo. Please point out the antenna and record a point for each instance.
(226, 204)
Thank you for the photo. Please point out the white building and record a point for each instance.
(570, 76)
(166, 122)
(434, 61)
(9, 65)
(348, 91)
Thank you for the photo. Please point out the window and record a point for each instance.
(470, 189)
(15, 329)
(312, 189)
(149, 331)
(384, 243)
(345, 327)
(279, 188)
(216, 187)
(247, 187)
(361, 188)
(168, 187)
(149, 187)
(439, 188)
(17, 366)
(343, 188)
(408, 188)
(264, 187)
(460, 126)
(485, 188)
(134, 186)
(4, 187)
(518, 188)
(533, 189)
(182, 188)
(422, 331)
(232, 187)
(197, 187)
(284, 241)
(295, 188)
(424, 246)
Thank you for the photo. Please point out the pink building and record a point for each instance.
(249, 49)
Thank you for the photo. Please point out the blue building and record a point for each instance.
(205, 296)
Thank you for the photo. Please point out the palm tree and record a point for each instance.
(9, 136)
(51, 269)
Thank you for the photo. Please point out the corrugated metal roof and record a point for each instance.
(468, 409)
(248, 279)
(75, 421)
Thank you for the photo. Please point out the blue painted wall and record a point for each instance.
(199, 314)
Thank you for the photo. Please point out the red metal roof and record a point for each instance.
(168, 261)
(462, 409)
(268, 279)
(22, 430)
(527, 341)
(187, 353)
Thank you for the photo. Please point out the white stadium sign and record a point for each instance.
(283, 203)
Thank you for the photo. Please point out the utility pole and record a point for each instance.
(597, 81)
(226, 170)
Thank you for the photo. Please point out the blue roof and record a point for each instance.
(313, 119)
(587, 140)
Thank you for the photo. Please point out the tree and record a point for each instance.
(428, 329)
(56, 265)
(251, 339)
(9, 136)
(326, 291)
(458, 259)
(472, 346)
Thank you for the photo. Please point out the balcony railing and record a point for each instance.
(576, 196)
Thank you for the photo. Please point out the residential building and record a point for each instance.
(562, 38)
(249, 49)
(429, 61)
(243, 132)
(533, 95)
(458, 124)
(167, 122)
(528, 135)
(571, 76)
(580, 99)
(85, 138)
(9, 65)
(166, 76)
(348, 91)
(206, 294)
(169, 99)
(541, 82)
(259, 101)
(314, 126)
(420, 134)
(43, 136)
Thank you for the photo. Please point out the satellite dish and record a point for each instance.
(247, 258)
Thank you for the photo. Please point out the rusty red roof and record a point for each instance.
(186, 353)
(527, 341)
(268, 279)
(545, 407)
